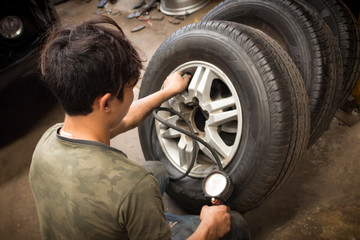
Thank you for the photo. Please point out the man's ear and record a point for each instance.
(103, 102)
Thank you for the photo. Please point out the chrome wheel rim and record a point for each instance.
(212, 106)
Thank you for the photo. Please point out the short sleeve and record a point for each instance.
(142, 212)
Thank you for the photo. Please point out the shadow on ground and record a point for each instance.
(23, 103)
(321, 200)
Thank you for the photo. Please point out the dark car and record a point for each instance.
(23, 27)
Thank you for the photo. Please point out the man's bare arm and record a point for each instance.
(140, 109)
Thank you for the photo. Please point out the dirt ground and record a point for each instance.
(321, 201)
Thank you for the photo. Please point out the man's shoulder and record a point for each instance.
(95, 157)
(49, 133)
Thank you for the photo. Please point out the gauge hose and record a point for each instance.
(190, 133)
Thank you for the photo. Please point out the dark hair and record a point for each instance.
(82, 62)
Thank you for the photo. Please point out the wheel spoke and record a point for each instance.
(175, 101)
(219, 104)
(170, 133)
(215, 141)
(208, 153)
(186, 151)
(195, 81)
(200, 84)
(171, 119)
(217, 119)
(229, 127)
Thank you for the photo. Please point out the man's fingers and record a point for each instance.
(186, 76)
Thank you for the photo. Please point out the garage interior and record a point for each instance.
(320, 201)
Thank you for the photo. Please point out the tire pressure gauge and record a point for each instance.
(217, 185)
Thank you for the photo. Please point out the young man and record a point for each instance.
(83, 188)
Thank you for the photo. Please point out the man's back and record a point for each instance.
(88, 190)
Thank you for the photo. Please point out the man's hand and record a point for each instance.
(215, 223)
(175, 83)
(217, 218)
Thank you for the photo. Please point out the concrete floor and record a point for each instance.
(321, 201)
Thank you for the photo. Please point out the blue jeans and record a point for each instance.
(187, 224)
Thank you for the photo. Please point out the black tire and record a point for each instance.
(307, 39)
(274, 107)
(345, 28)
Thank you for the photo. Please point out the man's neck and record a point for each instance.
(86, 128)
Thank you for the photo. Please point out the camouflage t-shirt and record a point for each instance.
(88, 190)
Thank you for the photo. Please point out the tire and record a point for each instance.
(344, 26)
(307, 39)
(256, 85)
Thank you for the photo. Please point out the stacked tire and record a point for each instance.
(267, 79)
(315, 47)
